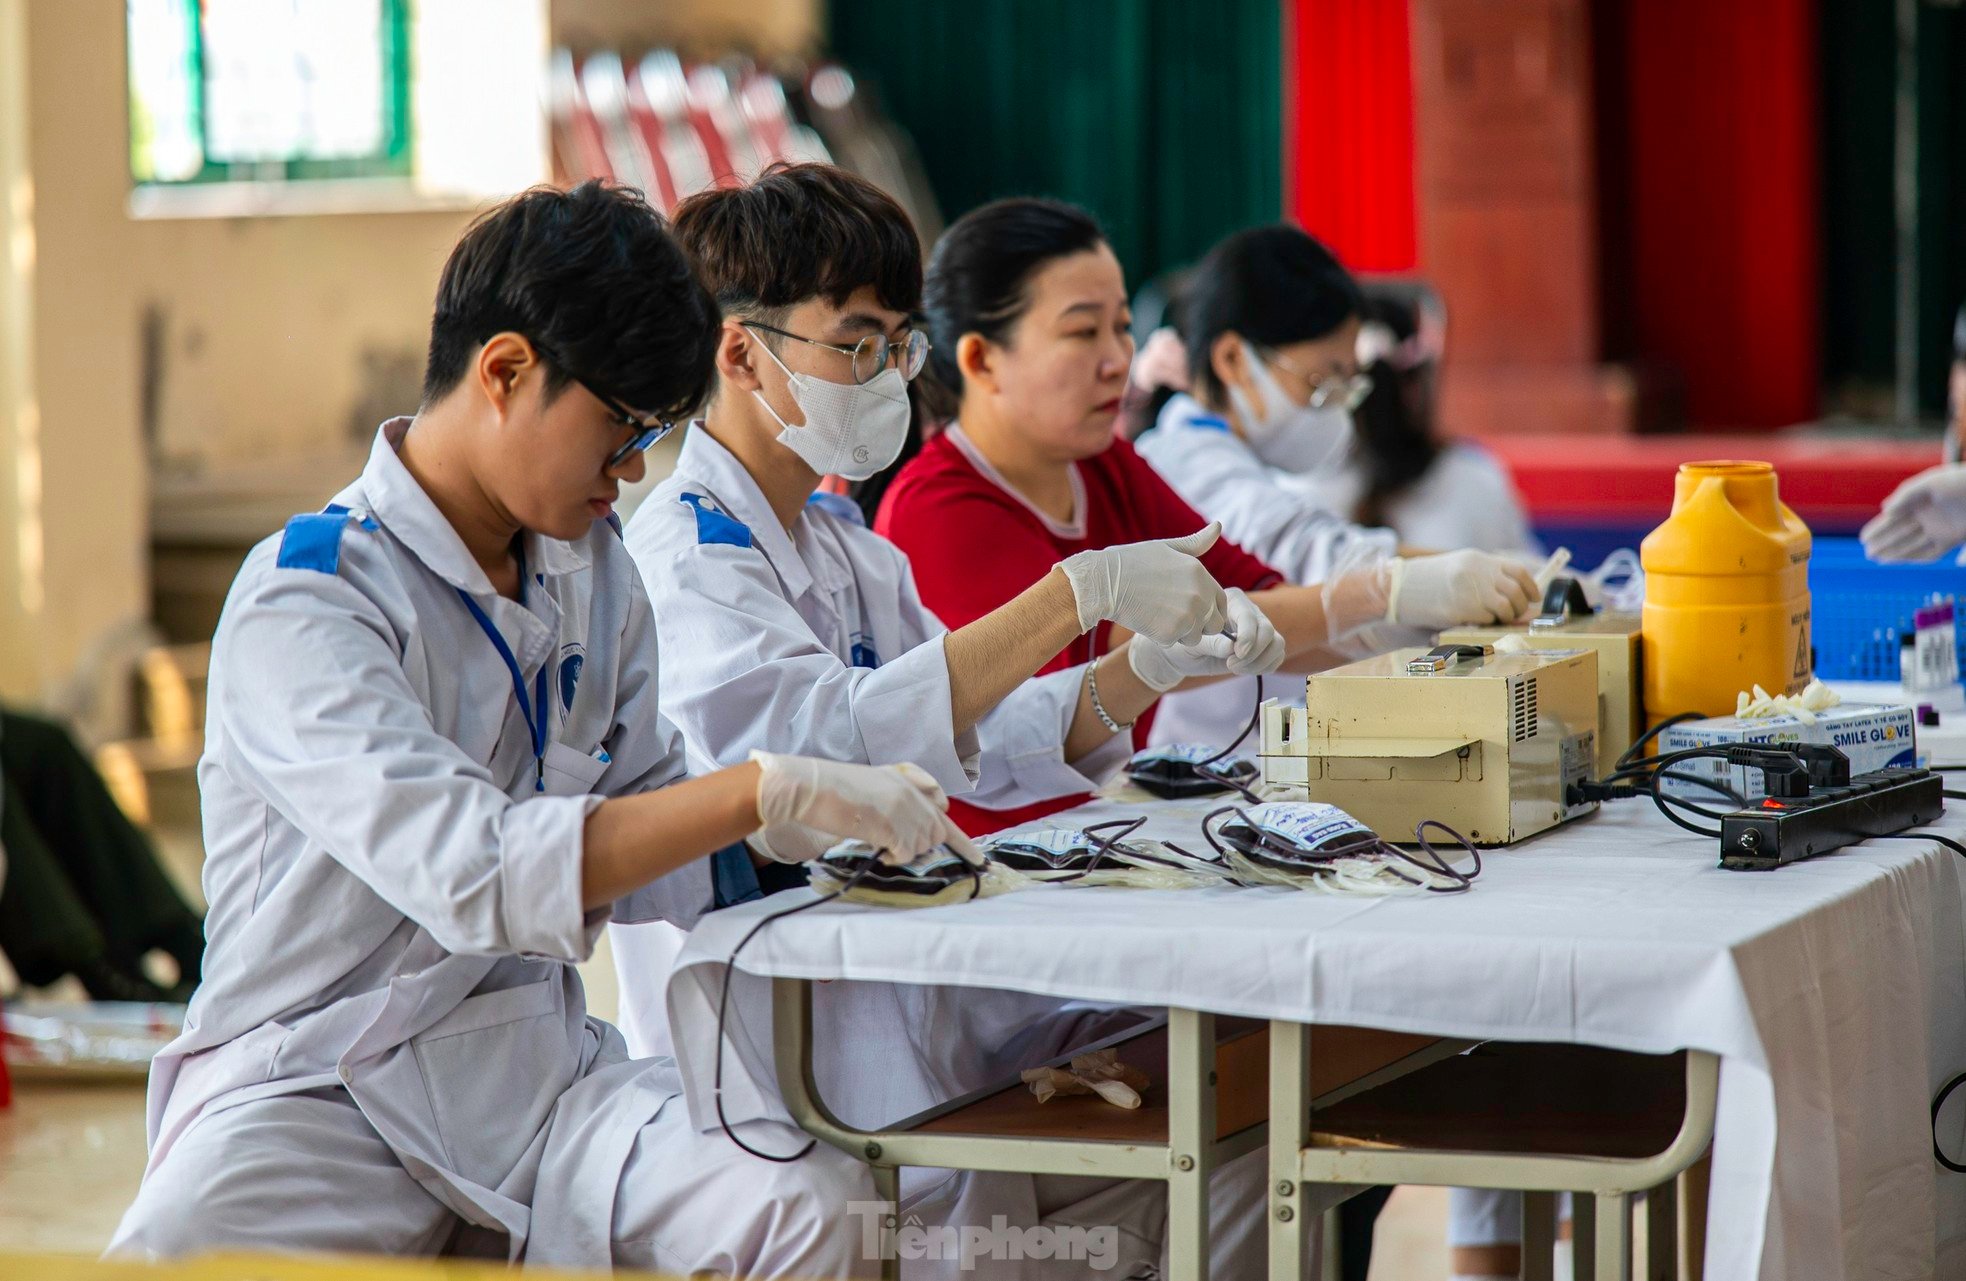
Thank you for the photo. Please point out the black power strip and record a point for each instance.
(1787, 829)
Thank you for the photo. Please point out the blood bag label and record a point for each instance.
(1053, 840)
(1310, 824)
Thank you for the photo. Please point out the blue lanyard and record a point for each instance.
(527, 706)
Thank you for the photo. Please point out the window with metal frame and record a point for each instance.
(268, 90)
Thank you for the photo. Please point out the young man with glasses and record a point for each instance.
(786, 625)
(434, 758)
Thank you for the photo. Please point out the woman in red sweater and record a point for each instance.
(1027, 308)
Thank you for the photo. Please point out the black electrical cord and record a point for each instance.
(723, 1001)
(1939, 1101)
(1646, 774)
(1643, 775)
(1629, 755)
(1666, 804)
(1956, 796)
(1946, 841)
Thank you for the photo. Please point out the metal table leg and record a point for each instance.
(1583, 1238)
(1539, 1236)
(1662, 1233)
(1191, 1139)
(887, 1188)
(1183, 1163)
(1614, 1237)
(1290, 1129)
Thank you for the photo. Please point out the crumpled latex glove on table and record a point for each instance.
(1761, 705)
(1099, 1072)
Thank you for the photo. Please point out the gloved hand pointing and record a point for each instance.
(1157, 589)
(899, 809)
(1256, 649)
(1923, 518)
(1457, 588)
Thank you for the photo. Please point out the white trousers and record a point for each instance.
(307, 1173)
(1485, 1216)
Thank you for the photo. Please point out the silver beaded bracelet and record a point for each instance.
(1099, 708)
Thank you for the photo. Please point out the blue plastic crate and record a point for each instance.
(1859, 609)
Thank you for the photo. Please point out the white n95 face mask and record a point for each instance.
(1289, 436)
(851, 430)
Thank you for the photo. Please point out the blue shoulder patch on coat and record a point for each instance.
(838, 505)
(713, 526)
(313, 541)
(1209, 422)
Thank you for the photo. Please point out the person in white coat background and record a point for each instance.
(1270, 325)
(1925, 517)
(1400, 473)
(786, 625)
(434, 757)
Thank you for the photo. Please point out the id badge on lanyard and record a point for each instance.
(532, 708)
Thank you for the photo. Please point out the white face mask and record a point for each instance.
(851, 430)
(1289, 436)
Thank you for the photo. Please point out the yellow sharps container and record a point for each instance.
(1726, 592)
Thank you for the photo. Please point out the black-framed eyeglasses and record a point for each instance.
(871, 354)
(1349, 390)
(643, 432)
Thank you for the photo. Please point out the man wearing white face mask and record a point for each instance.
(787, 626)
(1271, 324)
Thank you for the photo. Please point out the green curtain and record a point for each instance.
(1859, 62)
(1163, 117)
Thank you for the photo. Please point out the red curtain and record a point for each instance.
(1713, 255)
(1724, 267)
(1348, 136)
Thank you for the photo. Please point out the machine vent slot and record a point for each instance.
(1524, 710)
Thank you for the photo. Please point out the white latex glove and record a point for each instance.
(1923, 518)
(791, 842)
(1760, 704)
(898, 808)
(1256, 649)
(1454, 589)
(1099, 1072)
(1156, 589)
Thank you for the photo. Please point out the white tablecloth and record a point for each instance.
(1834, 990)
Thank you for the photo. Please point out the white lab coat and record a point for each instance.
(1218, 475)
(813, 640)
(1466, 499)
(395, 911)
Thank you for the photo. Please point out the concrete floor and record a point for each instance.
(71, 1155)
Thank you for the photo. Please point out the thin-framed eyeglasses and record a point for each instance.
(643, 430)
(871, 354)
(1349, 391)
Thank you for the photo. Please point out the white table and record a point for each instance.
(1834, 991)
